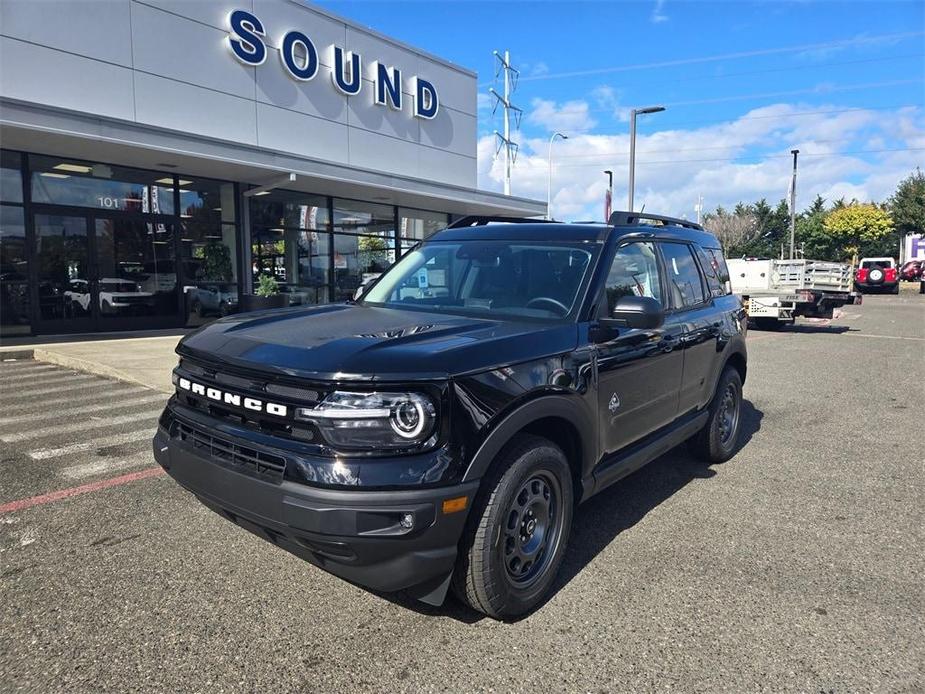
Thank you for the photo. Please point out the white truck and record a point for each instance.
(776, 292)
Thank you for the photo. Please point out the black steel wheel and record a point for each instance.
(517, 530)
(717, 441)
(532, 529)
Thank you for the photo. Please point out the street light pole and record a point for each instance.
(633, 114)
(549, 175)
(608, 198)
(793, 202)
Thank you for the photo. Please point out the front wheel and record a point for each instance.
(717, 441)
(516, 534)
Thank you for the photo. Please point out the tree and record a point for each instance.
(811, 235)
(907, 205)
(858, 229)
(735, 231)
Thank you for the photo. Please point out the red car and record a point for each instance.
(877, 275)
(911, 270)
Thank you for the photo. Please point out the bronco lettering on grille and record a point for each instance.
(232, 398)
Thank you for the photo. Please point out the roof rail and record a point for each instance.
(474, 220)
(635, 218)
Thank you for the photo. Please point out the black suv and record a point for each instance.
(440, 431)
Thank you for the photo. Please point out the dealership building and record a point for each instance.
(159, 156)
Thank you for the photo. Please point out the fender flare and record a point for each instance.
(736, 348)
(568, 408)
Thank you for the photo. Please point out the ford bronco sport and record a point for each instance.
(439, 431)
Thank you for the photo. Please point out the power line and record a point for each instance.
(688, 149)
(842, 43)
(826, 89)
(756, 158)
(816, 66)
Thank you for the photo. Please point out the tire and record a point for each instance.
(717, 441)
(499, 572)
(895, 290)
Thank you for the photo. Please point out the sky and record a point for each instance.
(743, 83)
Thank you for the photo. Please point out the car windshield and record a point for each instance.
(488, 278)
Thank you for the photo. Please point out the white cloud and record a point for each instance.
(570, 117)
(658, 12)
(740, 160)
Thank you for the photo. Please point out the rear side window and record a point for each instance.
(714, 268)
(684, 280)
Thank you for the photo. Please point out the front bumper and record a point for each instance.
(356, 535)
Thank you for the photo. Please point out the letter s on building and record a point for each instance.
(245, 39)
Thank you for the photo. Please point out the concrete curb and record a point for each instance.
(93, 367)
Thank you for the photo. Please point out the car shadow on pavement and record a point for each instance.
(809, 328)
(600, 521)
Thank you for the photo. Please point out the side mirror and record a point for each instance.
(642, 312)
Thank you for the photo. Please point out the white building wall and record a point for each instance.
(165, 63)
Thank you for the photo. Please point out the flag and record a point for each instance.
(608, 202)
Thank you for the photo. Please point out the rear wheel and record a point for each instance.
(516, 534)
(717, 441)
(895, 289)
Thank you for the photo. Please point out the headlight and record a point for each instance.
(373, 420)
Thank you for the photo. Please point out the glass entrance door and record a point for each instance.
(105, 273)
(137, 273)
(65, 279)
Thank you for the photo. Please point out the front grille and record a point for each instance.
(240, 458)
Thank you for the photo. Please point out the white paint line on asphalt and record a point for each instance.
(79, 472)
(92, 423)
(884, 337)
(96, 444)
(23, 366)
(41, 379)
(25, 394)
(111, 404)
(119, 389)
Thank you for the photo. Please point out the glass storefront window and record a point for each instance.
(283, 209)
(206, 201)
(357, 260)
(61, 181)
(419, 224)
(355, 217)
(207, 257)
(14, 272)
(10, 177)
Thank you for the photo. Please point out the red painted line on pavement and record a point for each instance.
(82, 489)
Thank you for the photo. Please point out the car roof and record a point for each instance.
(575, 231)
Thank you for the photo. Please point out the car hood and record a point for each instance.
(350, 342)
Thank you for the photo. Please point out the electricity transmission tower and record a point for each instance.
(505, 142)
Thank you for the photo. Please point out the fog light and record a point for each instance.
(406, 521)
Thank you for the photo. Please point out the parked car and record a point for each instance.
(212, 299)
(877, 275)
(911, 270)
(117, 297)
(420, 440)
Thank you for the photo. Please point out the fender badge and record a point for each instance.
(614, 403)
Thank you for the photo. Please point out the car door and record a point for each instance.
(639, 371)
(695, 318)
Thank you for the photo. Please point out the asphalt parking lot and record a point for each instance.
(798, 565)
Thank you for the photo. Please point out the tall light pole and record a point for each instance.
(635, 112)
(608, 196)
(549, 176)
(793, 201)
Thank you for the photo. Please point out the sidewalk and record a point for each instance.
(146, 361)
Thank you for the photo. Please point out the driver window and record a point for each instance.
(634, 272)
